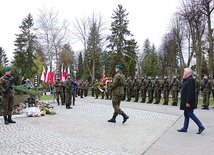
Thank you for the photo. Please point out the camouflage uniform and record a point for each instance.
(68, 92)
(143, 84)
(81, 88)
(157, 90)
(117, 94)
(206, 87)
(136, 85)
(197, 89)
(86, 84)
(59, 91)
(92, 88)
(7, 98)
(128, 85)
(175, 87)
(166, 87)
(150, 90)
(96, 89)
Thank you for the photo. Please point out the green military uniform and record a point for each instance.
(86, 84)
(7, 97)
(149, 88)
(117, 94)
(68, 92)
(81, 88)
(166, 87)
(128, 86)
(143, 84)
(59, 90)
(108, 92)
(136, 86)
(206, 87)
(175, 87)
(197, 89)
(157, 89)
(96, 89)
(92, 88)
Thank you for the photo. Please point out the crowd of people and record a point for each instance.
(151, 90)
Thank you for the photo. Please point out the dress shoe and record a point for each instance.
(181, 130)
(200, 130)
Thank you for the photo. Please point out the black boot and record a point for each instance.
(125, 117)
(205, 107)
(5, 120)
(68, 107)
(10, 119)
(165, 103)
(113, 119)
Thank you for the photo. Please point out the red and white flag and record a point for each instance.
(43, 76)
(62, 74)
(49, 76)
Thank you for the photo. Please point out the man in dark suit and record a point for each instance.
(188, 101)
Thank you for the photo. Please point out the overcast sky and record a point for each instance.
(147, 18)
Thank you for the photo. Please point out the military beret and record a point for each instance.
(165, 74)
(143, 75)
(118, 66)
(7, 69)
(67, 74)
(194, 75)
(205, 74)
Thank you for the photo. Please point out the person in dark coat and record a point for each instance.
(188, 102)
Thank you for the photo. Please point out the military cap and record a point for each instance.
(7, 69)
(67, 74)
(118, 66)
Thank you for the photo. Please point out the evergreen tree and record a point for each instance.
(92, 65)
(79, 67)
(24, 55)
(149, 59)
(122, 48)
(67, 57)
(3, 58)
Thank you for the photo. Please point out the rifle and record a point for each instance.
(11, 82)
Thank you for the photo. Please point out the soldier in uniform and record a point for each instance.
(175, 87)
(81, 87)
(117, 94)
(68, 92)
(92, 88)
(206, 87)
(96, 89)
(165, 87)
(197, 89)
(7, 97)
(135, 86)
(86, 84)
(143, 84)
(149, 88)
(157, 89)
(128, 85)
(59, 90)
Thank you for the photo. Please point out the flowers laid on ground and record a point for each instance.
(47, 109)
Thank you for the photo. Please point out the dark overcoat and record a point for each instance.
(188, 94)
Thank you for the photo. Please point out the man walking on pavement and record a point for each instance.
(188, 102)
(117, 94)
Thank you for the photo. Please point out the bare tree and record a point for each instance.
(195, 26)
(207, 9)
(52, 34)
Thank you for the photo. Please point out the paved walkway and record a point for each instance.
(84, 130)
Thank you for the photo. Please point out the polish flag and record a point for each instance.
(62, 73)
(43, 76)
(47, 75)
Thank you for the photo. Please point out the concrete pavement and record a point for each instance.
(150, 130)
